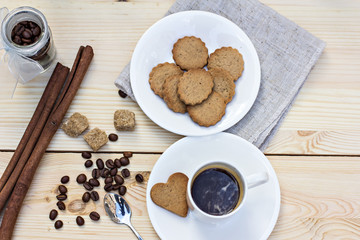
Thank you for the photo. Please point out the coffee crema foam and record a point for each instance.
(216, 191)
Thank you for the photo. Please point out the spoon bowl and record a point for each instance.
(119, 211)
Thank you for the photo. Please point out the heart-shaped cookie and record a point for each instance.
(172, 195)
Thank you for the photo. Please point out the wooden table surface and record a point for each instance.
(316, 152)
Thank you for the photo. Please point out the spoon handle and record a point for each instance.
(135, 232)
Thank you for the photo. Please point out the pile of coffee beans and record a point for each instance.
(25, 33)
(113, 181)
(109, 171)
(62, 196)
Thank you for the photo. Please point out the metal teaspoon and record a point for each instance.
(119, 211)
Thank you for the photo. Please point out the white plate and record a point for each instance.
(255, 220)
(155, 47)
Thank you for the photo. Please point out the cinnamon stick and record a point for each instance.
(56, 117)
(58, 77)
(26, 136)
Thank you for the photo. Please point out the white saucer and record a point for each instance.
(155, 47)
(257, 217)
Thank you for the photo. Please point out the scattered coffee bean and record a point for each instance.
(53, 214)
(118, 179)
(80, 221)
(61, 205)
(122, 190)
(113, 171)
(94, 216)
(108, 180)
(122, 94)
(62, 189)
(139, 178)
(65, 179)
(86, 197)
(86, 155)
(100, 164)
(94, 195)
(104, 173)
(95, 173)
(108, 187)
(94, 182)
(125, 173)
(113, 137)
(117, 163)
(61, 197)
(115, 186)
(128, 154)
(110, 163)
(58, 224)
(81, 178)
(88, 186)
(124, 161)
(88, 163)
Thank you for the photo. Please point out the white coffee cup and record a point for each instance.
(245, 183)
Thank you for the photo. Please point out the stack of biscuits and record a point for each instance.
(186, 86)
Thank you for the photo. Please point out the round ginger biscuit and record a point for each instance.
(195, 86)
(190, 53)
(228, 59)
(209, 112)
(171, 96)
(223, 83)
(161, 72)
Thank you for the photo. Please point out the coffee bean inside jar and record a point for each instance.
(25, 31)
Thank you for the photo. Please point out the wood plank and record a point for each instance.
(34, 223)
(328, 102)
(320, 199)
(315, 142)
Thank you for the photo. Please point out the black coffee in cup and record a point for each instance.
(216, 190)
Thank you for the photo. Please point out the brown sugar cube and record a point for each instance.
(96, 138)
(75, 125)
(124, 120)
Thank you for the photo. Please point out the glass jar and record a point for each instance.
(43, 49)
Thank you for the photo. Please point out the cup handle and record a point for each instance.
(257, 179)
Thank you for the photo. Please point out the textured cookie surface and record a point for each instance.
(190, 53)
(209, 112)
(161, 72)
(195, 86)
(172, 195)
(171, 96)
(228, 59)
(223, 83)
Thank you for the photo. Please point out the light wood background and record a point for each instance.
(316, 152)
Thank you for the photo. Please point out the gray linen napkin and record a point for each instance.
(286, 52)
